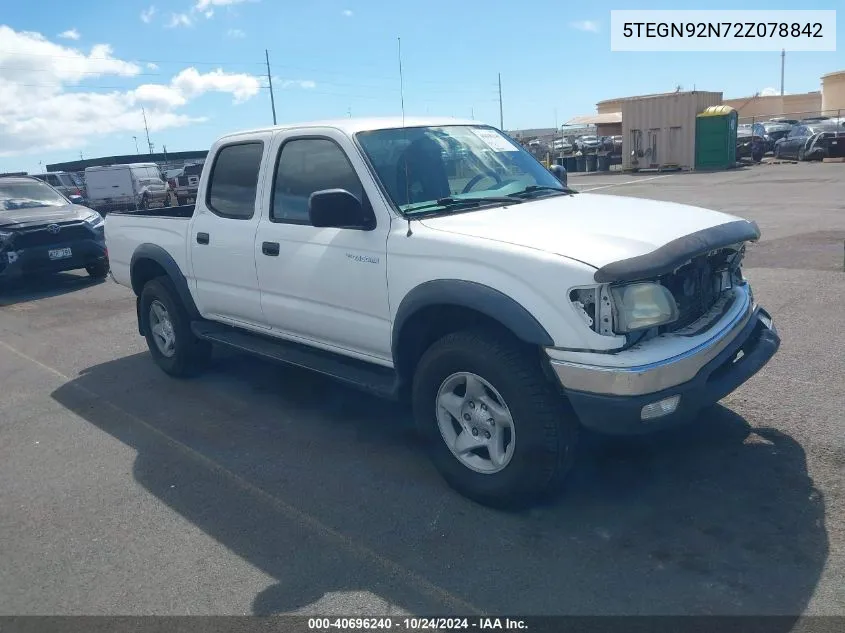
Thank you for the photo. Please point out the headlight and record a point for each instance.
(642, 306)
(95, 220)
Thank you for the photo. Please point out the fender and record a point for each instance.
(161, 257)
(468, 294)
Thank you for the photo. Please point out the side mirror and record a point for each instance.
(75, 199)
(337, 208)
(560, 173)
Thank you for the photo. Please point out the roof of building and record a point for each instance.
(126, 159)
(659, 94)
(596, 119)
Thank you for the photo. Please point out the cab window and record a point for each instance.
(305, 166)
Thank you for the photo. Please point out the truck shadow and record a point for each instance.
(43, 286)
(716, 518)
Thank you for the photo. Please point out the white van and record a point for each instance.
(123, 187)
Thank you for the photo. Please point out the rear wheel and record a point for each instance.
(181, 201)
(495, 428)
(145, 202)
(168, 330)
(801, 153)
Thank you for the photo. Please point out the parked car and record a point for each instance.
(751, 141)
(562, 145)
(775, 131)
(62, 182)
(186, 184)
(587, 143)
(507, 309)
(43, 231)
(123, 187)
(811, 142)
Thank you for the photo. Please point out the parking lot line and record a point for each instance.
(305, 520)
(628, 182)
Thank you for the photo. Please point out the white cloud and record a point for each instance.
(147, 15)
(202, 5)
(70, 34)
(585, 25)
(770, 92)
(56, 111)
(152, 66)
(305, 84)
(235, 33)
(347, 13)
(179, 19)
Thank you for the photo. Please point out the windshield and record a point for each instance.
(28, 195)
(431, 167)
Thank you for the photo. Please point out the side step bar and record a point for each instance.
(375, 379)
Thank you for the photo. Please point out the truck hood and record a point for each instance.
(37, 216)
(591, 228)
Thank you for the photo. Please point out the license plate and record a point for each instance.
(59, 253)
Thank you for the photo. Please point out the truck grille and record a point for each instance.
(696, 287)
(42, 237)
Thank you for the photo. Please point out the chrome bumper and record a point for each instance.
(639, 380)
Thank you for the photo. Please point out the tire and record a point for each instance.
(543, 428)
(181, 201)
(801, 154)
(98, 270)
(189, 354)
(145, 202)
(777, 152)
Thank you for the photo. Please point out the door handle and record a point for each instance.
(202, 238)
(270, 248)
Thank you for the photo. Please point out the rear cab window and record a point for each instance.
(233, 183)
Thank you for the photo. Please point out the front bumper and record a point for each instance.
(621, 414)
(15, 264)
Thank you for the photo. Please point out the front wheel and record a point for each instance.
(495, 428)
(168, 330)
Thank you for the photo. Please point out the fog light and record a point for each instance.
(660, 408)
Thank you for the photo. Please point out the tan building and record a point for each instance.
(833, 93)
(796, 106)
(658, 131)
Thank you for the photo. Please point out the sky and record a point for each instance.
(74, 76)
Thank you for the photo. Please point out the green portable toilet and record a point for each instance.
(715, 138)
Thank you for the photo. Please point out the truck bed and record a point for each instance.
(166, 228)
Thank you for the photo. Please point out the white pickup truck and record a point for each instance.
(435, 260)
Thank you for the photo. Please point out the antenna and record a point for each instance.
(270, 81)
(147, 130)
(402, 103)
(501, 116)
(401, 82)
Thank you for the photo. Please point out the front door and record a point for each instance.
(325, 286)
(222, 237)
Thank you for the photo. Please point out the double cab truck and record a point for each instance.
(437, 262)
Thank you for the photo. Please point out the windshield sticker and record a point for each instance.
(495, 141)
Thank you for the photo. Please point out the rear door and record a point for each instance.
(221, 241)
(109, 184)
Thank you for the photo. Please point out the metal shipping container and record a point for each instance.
(660, 129)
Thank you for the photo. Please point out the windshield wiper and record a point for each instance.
(450, 203)
(530, 189)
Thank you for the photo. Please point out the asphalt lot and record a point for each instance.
(263, 489)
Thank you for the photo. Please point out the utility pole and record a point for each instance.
(501, 116)
(782, 63)
(147, 130)
(270, 81)
(137, 151)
